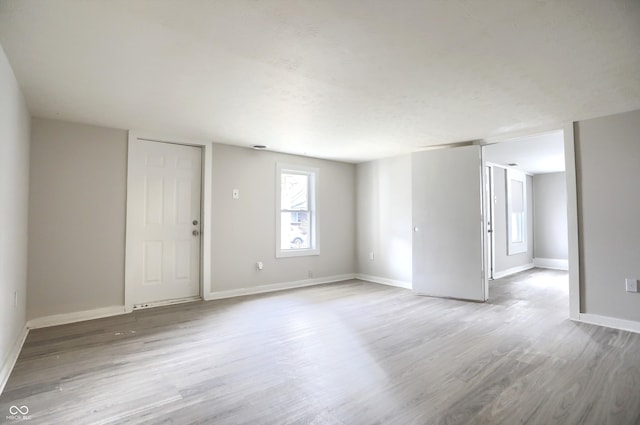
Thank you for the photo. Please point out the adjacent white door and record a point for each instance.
(489, 200)
(163, 222)
(447, 214)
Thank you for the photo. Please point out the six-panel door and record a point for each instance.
(165, 230)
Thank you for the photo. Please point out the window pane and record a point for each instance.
(294, 192)
(295, 230)
(517, 227)
(517, 196)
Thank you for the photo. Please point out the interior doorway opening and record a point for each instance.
(525, 205)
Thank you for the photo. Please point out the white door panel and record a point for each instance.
(447, 214)
(164, 204)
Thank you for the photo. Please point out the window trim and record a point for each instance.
(514, 248)
(314, 226)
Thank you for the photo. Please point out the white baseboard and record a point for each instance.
(551, 263)
(78, 316)
(385, 281)
(610, 322)
(512, 270)
(154, 304)
(230, 293)
(10, 362)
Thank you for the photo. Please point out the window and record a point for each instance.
(296, 214)
(517, 212)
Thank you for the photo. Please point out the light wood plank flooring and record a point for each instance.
(344, 353)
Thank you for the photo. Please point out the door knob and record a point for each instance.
(195, 233)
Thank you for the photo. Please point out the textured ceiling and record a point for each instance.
(348, 80)
(538, 154)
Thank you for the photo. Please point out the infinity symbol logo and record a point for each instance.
(14, 410)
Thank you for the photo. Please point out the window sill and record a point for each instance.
(297, 253)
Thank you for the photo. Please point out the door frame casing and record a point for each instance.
(489, 217)
(206, 213)
(572, 203)
(572, 221)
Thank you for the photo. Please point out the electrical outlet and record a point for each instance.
(632, 285)
(371, 256)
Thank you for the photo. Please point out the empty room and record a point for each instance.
(319, 212)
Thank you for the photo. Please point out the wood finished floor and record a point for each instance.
(344, 353)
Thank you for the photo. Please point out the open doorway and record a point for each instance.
(525, 206)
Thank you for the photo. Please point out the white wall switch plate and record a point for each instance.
(371, 256)
(236, 194)
(632, 285)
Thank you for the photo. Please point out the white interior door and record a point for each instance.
(447, 214)
(163, 222)
(489, 200)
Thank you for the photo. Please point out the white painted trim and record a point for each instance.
(572, 221)
(609, 322)
(512, 270)
(11, 359)
(385, 281)
(206, 219)
(484, 282)
(314, 183)
(166, 302)
(551, 263)
(128, 249)
(277, 287)
(77, 316)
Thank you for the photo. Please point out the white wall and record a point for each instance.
(608, 176)
(244, 229)
(384, 219)
(77, 217)
(77, 232)
(14, 196)
(550, 216)
(504, 262)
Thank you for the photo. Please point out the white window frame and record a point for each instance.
(517, 247)
(314, 225)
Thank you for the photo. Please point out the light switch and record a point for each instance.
(632, 285)
(236, 194)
